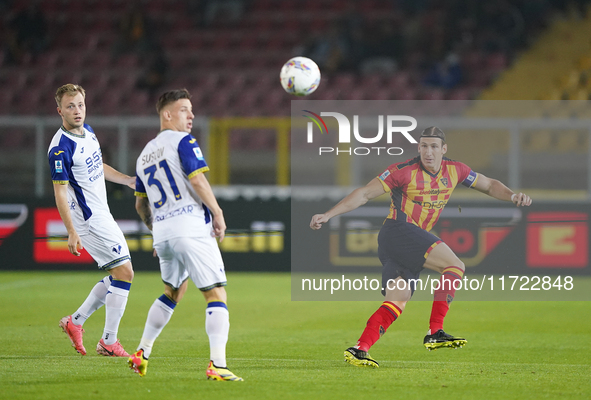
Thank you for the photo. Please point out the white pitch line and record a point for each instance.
(24, 283)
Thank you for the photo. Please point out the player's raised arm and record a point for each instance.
(61, 200)
(498, 190)
(112, 175)
(355, 199)
(203, 190)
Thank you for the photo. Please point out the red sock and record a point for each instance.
(377, 324)
(443, 297)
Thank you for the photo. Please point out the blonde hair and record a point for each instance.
(70, 89)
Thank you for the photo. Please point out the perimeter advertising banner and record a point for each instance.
(32, 236)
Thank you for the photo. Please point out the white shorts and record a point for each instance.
(106, 244)
(190, 257)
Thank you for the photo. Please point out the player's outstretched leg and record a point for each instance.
(441, 339)
(158, 316)
(377, 325)
(217, 326)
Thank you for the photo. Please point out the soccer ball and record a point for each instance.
(300, 76)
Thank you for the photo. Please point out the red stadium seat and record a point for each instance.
(138, 103)
(372, 82)
(496, 62)
(344, 81)
(383, 94)
(399, 80)
(127, 61)
(330, 93)
(6, 98)
(460, 94)
(406, 94)
(433, 94)
(355, 94)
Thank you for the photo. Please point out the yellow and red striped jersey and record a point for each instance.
(419, 196)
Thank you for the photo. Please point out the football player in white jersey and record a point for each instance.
(175, 201)
(78, 175)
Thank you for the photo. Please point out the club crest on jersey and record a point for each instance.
(58, 166)
(198, 153)
(445, 182)
(116, 248)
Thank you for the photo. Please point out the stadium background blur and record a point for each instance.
(228, 54)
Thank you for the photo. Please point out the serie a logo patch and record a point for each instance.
(58, 166)
(198, 153)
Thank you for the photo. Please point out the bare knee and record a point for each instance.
(217, 293)
(123, 272)
(175, 295)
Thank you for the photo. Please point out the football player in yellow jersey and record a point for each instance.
(419, 189)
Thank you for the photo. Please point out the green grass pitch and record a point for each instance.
(288, 350)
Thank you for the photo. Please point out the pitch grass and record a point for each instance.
(288, 350)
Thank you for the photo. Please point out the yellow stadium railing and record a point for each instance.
(219, 145)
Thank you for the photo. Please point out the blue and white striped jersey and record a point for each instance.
(163, 170)
(77, 160)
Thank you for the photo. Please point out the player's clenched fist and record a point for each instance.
(318, 220)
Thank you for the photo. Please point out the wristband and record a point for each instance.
(513, 196)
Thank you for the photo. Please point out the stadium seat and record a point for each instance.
(460, 94)
(433, 94)
(358, 93)
(6, 98)
(406, 94)
(399, 80)
(496, 62)
(383, 94)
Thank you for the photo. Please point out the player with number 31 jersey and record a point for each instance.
(162, 171)
(176, 202)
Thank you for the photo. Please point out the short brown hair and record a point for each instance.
(170, 97)
(434, 131)
(69, 89)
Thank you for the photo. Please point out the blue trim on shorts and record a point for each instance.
(115, 263)
(121, 284)
(217, 304)
(219, 284)
(168, 301)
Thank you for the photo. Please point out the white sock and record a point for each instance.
(115, 303)
(217, 326)
(94, 301)
(158, 316)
